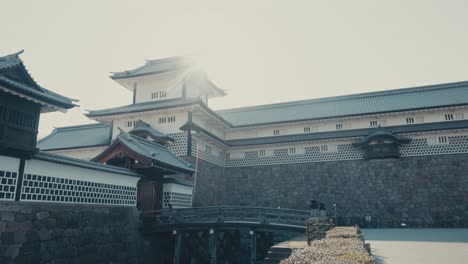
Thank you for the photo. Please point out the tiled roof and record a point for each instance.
(381, 132)
(146, 106)
(155, 152)
(92, 135)
(26, 85)
(155, 66)
(433, 96)
(84, 164)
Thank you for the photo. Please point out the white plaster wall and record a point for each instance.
(152, 118)
(178, 188)
(391, 119)
(45, 168)
(81, 153)
(9, 163)
(171, 82)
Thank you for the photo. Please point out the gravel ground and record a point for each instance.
(391, 246)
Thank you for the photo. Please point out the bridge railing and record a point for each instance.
(228, 214)
(316, 228)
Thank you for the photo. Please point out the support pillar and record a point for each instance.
(178, 246)
(253, 247)
(213, 246)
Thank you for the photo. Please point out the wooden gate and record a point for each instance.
(149, 195)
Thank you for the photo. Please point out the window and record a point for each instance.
(162, 120)
(339, 126)
(154, 95)
(276, 132)
(410, 120)
(324, 148)
(459, 116)
(262, 153)
(448, 117)
(374, 123)
(306, 129)
(292, 150)
(162, 94)
(441, 140)
(171, 119)
(420, 119)
(135, 122)
(129, 123)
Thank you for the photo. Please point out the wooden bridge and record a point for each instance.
(257, 221)
(267, 219)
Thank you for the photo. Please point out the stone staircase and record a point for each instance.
(276, 254)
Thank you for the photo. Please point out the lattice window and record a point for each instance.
(410, 120)
(171, 119)
(154, 95)
(448, 117)
(162, 94)
(306, 129)
(324, 148)
(374, 123)
(177, 200)
(292, 151)
(162, 120)
(52, 189)
(420, 119)
(276, 132)
(8, 185)
(262, 153)
(459, 116)
(339, 126)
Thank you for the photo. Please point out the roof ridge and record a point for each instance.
(145, 103)
(350, 96)
(43, 153)
(146, 142)
(13, 56)
(83, 126)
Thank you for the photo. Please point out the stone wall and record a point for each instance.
(55, 233)
(210, 184)
(420, 191)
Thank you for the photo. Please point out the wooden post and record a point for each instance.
(178, 246)
(213, 245)
(253, 247)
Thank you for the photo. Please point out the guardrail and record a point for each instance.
(225, 214)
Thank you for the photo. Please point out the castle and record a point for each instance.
(397, 155)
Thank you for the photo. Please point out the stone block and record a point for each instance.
(42, 215)
(19, 236)
(7, 216)
(13, 250)
(12, 226)
(44, 234)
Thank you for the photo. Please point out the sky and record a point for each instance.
(260, 52)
